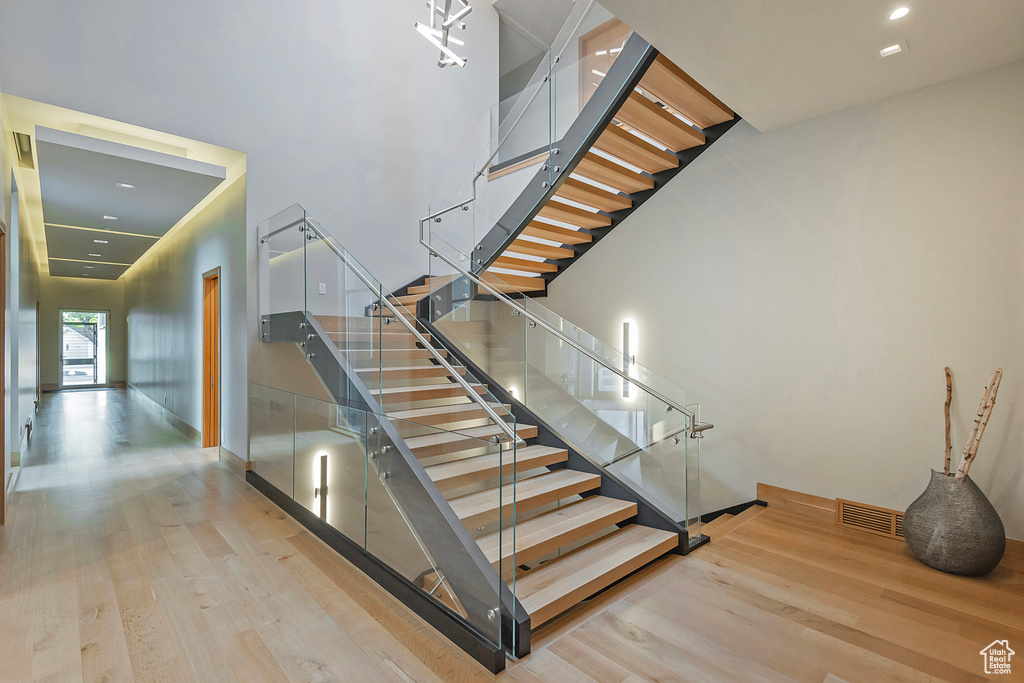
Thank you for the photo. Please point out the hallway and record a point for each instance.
(131, 553)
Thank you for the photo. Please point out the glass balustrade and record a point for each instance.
(626, 419)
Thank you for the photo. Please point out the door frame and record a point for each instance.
(60, 343)
(212, 347)
(4, 482)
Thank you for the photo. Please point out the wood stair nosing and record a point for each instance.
(483, 507)
(556, 586)
(459, 473)
(612, 174)
(442, 443)
(407, 299)
(579, 191)
(573, 215)
(523, 265)
(628, 147)
(658, 124)
(560, 527)
(537, 249)
(406, 372)
(392, 354)
(442, 415)
(424, 392)
(556, 233)
(672, 86)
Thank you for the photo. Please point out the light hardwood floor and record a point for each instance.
(132, 554)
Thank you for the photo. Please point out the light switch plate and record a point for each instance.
(323, 287)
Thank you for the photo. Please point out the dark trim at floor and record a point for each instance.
(437, 615)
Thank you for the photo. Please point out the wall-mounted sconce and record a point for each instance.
(629, 334)
(321, 490)
(443, 17)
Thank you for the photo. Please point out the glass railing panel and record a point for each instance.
(330, 464)
(584, 52)
(469, 469)
(522, 124)
(333, 461)
(618, 413)
(272, 436)
(344, 298)
(281, 254)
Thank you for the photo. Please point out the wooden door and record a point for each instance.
(3, 381)
(211, 361)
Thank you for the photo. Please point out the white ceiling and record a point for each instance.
(780, 62)
(78, 178)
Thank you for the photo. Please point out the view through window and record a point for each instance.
(83, 348)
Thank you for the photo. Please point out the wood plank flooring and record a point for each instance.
(131, 554)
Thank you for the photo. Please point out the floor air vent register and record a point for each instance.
(869, 518)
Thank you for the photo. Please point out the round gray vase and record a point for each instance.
(953, 527)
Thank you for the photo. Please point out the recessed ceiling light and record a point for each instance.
(100, 241)
(110, 218)
(96, 255)
(126, 186)
(90, 266)
(598, 73)
(899, 13)
(891, 50)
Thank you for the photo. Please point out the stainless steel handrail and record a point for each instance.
(476, 398)
(696, 430)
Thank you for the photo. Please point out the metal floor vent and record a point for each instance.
(869, 518)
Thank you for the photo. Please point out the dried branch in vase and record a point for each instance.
(949, 400)
(988, 401)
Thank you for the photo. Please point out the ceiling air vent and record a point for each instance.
(868, 518)
(23, 145)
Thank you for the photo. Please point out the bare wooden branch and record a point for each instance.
(949, 400)
(981, 421)
(977, 421)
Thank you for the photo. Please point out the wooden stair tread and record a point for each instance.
(401, 353)
(483, 507)
(672, 86)
(555, 586)
(438, 415)
(556, 233)
(407, 372)
(545, 533)
(579, 191)
(655, 122)
(425, 392)
(615, 175)
(574, 215)
(440, 443)
(458, 473)
(620, 143)
(407, 299)
(523, 265)
(537, 249)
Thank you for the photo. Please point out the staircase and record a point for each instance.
(574, 541)
(663, 123)
(537, 508)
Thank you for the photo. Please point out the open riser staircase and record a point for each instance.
(553, 523)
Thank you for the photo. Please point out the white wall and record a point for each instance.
(164, 305)
(63, 293)
(808, 286)
(339, 107)
(22, 294)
